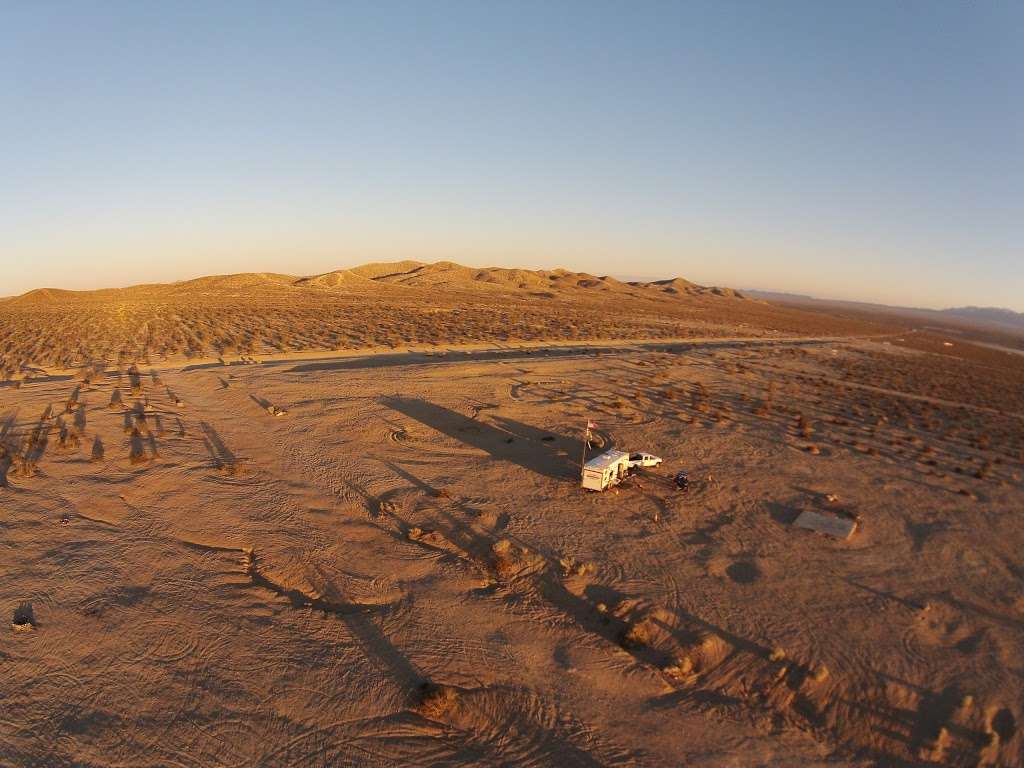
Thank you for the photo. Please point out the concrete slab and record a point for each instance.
(839, 527)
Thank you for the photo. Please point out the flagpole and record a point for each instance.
(586, 443)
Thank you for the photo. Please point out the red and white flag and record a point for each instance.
(591, 425)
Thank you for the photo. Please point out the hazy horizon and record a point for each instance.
(869, 152)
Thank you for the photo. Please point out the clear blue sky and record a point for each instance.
(868, 150)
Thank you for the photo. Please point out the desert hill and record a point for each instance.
(413, 274)
(378, 269)
(375, 305)
(339, 278)
(41, 296)
(246, 281)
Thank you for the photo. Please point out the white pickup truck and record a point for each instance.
(642, 460)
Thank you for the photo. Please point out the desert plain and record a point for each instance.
(263, 520)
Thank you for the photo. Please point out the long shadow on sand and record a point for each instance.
(511, 440)
(359, 621)
(221, 456)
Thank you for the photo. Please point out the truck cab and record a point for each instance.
(643, 460)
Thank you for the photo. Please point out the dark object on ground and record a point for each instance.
(683, 480)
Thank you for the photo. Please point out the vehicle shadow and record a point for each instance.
(521, 444)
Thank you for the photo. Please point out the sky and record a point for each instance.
(857, 150)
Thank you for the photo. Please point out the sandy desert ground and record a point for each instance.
(289, 558)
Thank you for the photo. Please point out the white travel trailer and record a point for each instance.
(606, 470)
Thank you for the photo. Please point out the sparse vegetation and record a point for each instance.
(255, 315)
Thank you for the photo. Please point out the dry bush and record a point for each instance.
(435, 701)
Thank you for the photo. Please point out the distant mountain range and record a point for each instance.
(981, 314)
(988, 314)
